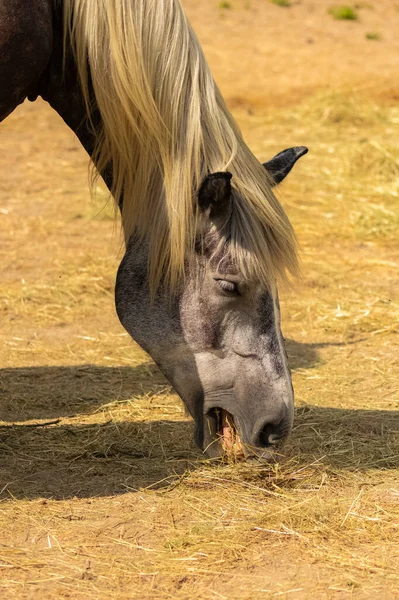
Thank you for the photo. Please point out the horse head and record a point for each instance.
(217, 338)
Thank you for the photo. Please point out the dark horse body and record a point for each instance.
(219, 343)
(32, 64)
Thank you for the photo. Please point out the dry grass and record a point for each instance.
(103, 493)
(344, 108)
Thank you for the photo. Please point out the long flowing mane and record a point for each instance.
(165, 126)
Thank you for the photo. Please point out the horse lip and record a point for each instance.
(212, 445)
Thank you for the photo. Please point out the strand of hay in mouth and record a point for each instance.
(229, 436)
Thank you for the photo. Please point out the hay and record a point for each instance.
(374, 161)
(343, 108)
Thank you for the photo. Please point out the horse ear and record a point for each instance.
(215, 194)
(279, 166)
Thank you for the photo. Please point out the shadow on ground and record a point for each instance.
(306, 356)
(64, 461)
(50, 392)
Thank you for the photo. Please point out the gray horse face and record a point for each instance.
(218, 340)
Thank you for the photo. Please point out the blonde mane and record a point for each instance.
(165, 126)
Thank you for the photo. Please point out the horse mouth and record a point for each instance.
(225, 434)
(224, 441)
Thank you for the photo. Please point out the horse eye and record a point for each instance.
(228, 287)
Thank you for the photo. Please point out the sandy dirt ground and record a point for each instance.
(103, 494)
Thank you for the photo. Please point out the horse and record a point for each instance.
(206, 241)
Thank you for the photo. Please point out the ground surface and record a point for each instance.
(103, 493)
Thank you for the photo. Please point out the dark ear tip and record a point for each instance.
(301, 151)
(281, 164)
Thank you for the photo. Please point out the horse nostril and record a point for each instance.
(270, 435)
